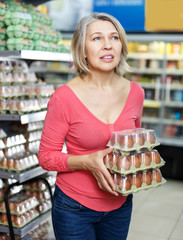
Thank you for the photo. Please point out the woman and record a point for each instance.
(84, 112)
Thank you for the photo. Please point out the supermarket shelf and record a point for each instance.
(37, 55)
(24, 176)
(175, 87)
(146, 56)
(150, 120)
(175, 72)
(176, 142)
(152, 103)
(173, 122)
(173, 104)
(156, 71)
(25, 118)
(149, 37)
(174, 57)
(147, 85)
(21, 232)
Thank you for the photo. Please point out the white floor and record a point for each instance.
(158, 213)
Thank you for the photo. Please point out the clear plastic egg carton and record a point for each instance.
(20, 221)
(133, 140)
(40, 185)
(20, 164)
(33, 147)
(23, 106)
(44, 206)
(134, 162)
(19, 204)
(141, 180)
(40, 195)
(14, 140)
(34, 136)
(15, 151)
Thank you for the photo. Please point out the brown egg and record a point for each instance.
(136, 181)
(134, 160)
(33, 185)
(12, 206)
(2, 206)
(10, 163)
(129, 177)
(156, 175)
(139, 174)
(4, 162)
(113, 160)
(106, 159)
(144, 159)
(150, 137)
(149, 173)
(127, 141)
(123, 163)
(17, 221)
(13, 218)
(19, 208)
(138, 138)
(124, 184)
(4, 218)
(116, 178)
(155, 157)
(146, 178)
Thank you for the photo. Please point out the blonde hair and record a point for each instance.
(78, 44)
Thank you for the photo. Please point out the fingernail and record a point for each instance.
(116, 194)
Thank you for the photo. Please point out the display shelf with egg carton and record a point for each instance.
(21, 232)
(134, 159)
(21, 224)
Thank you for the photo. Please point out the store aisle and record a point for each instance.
(158, 213)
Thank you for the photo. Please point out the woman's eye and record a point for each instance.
(115, 37)
(96, 38)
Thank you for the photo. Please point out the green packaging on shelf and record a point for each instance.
(48, 20)
(2, 45)
(16, 18)
(2, 23)
(41, 45)
(20, 31)
(7, 18)
(2, 33)
(20, 44)
(21, 18)
(3, 8)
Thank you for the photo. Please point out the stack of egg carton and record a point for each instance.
(134, 163)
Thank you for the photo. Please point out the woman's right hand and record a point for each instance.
(95, 164)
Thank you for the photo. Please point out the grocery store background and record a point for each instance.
(155, 39)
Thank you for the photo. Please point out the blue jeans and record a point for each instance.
(71, 220)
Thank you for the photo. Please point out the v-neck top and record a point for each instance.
(69, 121)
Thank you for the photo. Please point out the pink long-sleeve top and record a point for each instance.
(69, 120)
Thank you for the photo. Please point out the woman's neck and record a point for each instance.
(101, 80)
